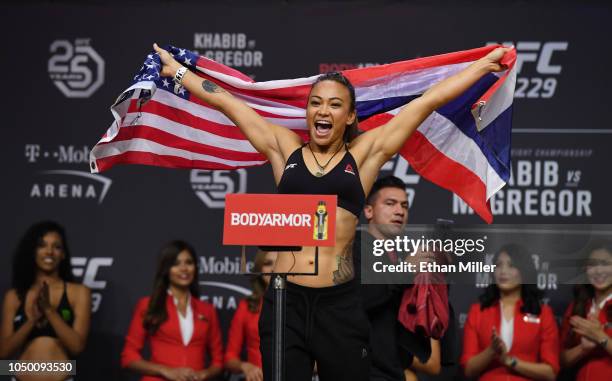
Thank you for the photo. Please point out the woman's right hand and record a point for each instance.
(43, 301)
(169, 64)
(251, 372)
(497, 345)
(179, 374)
(586, 345)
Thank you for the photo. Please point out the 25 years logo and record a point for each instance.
(76, 69)
(212, 186)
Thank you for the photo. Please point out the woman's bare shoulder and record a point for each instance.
(11, 299)
(77, 290)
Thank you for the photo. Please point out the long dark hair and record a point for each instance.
(24, 257)
(156, 311)
(584, 293)
(530, 294)
(352, 130)
(258, 285)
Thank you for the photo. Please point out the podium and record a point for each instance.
(280, 222)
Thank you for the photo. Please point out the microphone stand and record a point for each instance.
(279, 286)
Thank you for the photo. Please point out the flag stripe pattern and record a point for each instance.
(464, 146)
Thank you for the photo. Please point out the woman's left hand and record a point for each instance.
(43, 301)
(493, 59)
(590, 328)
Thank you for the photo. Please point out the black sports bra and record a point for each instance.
(63, 309)
(343, 181)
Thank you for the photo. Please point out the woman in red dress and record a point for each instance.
(510, 334)
(587, 324)
(244, 329)
(182, 330)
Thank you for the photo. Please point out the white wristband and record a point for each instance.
(178, 79)
(180, 73)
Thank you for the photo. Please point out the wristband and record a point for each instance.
(180, 73)
(178, 78)
(513, 362)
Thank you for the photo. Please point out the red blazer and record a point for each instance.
(597, 365)
(244, 329)
(536, 339)
(166, 344)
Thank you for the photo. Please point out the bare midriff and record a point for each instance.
(346, 223)
(41, 349)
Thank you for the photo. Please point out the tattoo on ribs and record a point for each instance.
(345, 271)
(211, 87)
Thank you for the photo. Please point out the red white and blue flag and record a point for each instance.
(463, 146)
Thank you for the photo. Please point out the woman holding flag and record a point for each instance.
(325, 321)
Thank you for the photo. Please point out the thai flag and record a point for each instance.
(464, 146)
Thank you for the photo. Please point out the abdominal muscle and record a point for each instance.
(335, 263)
(41, 349)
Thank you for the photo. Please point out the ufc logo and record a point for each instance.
(88, 270)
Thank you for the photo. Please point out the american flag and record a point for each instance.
(463, 146)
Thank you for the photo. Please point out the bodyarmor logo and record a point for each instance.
(399, 167)
(87, 269)
(212, 186)
(76, 69)
(541, 56)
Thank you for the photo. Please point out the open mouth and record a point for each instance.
(48, 260)
(322, 127)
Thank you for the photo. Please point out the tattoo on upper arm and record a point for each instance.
(211, 87)
(345, 270)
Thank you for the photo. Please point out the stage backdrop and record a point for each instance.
(63, 65)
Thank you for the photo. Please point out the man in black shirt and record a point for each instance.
(392, 346)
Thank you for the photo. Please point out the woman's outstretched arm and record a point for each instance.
(378, 145)
(275, 142)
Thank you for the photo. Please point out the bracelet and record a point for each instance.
(513, 362)
(178, 78)
(180, 73)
